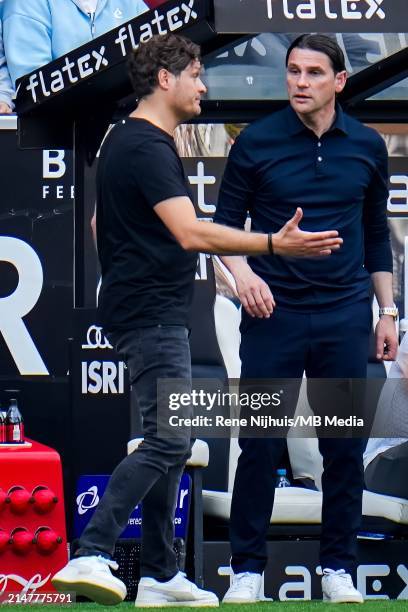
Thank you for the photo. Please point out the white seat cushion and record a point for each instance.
(302, 506)
(292, 505)
(199, 454)
(392, 508)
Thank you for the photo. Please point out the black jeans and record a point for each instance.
(326, 345)
(152, 473)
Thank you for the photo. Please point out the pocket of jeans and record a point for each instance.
(173, 332)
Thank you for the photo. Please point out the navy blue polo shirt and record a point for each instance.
(340, 181)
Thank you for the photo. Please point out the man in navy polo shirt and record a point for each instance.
(301, 315)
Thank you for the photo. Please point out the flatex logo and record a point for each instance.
(71, 72)
(333, 9)
(72, 69)
(369, 581)
(162, 22)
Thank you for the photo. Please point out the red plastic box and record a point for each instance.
(33, 541)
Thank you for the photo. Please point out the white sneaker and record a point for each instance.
(245, 588)
(91, 577)
(175, 592)
(337, 587)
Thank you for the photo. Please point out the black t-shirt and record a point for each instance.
(147, 278)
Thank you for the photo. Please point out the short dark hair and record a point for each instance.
(169, 51)
(323, 44)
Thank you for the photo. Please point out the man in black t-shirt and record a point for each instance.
(148, 238)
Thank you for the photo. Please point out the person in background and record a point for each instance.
(39, 31)
(386, 457)
(6, 87)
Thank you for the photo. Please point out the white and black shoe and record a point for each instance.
(175, 592)
(337, 587)
(91, 577)
(245, 588)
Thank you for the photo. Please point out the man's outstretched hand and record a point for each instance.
(291, 241)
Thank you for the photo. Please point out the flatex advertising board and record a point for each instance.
(253, 16)
(292, 572)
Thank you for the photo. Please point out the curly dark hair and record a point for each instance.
(169, 51)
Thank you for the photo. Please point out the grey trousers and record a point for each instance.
(152, 473)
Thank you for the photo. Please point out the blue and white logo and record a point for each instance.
(87, 500)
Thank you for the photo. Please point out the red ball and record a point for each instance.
(4, 540)
(44, 500)
(47, 541)
(21, 541)
(19, 500)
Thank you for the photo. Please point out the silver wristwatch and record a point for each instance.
(389, 310)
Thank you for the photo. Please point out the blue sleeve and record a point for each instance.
(27, 36)
(6, 88)
(378, 253)
(237, 186)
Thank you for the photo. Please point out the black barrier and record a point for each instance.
(36, 251)
(100, 398)
(292, 570)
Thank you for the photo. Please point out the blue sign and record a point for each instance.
(90, 490)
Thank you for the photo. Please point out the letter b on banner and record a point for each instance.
(54, 166)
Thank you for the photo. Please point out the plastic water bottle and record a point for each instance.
(281, 479)
(403, 328)
(14, 424)
(2, 427)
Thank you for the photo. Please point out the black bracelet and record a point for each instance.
(270, 243)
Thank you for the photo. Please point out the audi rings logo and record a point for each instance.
(87, 500)
(95, 339)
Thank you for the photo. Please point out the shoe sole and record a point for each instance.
(341, 601)
(176, 604)
(240, 601)
(95, 592)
